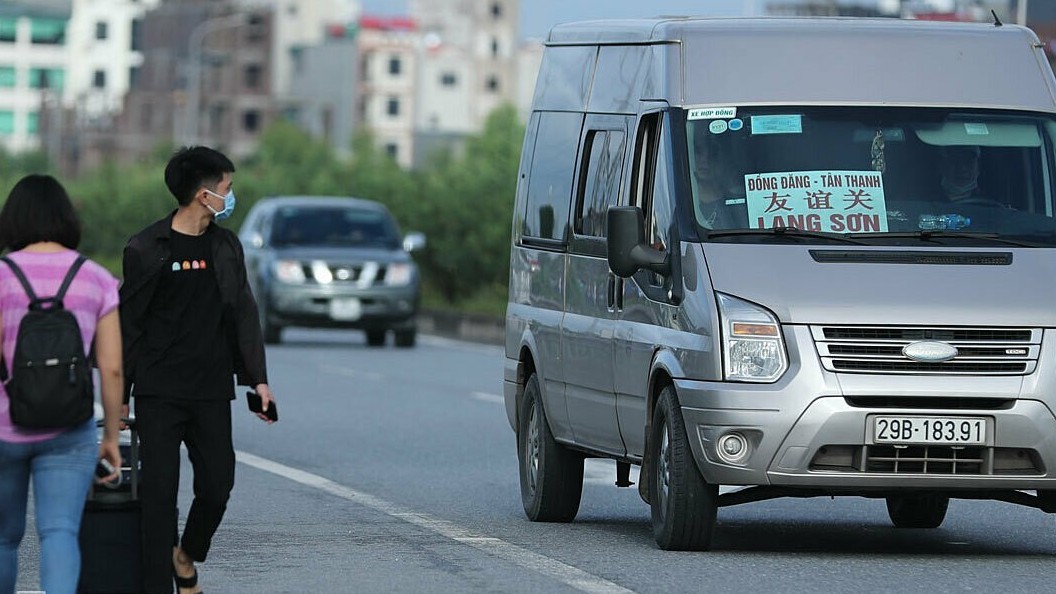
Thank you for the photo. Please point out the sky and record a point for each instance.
(537, 16)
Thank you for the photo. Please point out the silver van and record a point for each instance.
(787, 257)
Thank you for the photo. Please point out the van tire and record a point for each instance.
(926, 510)
(683, 504)
(551, 474)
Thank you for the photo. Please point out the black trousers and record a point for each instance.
(205, 427)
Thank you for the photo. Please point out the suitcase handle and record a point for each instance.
(133, 461)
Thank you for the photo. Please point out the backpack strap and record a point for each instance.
(36, 302)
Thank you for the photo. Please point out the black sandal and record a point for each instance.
(185, 582)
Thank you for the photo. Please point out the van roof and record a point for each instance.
(834, 60)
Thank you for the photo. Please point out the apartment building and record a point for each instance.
(388, 50)
(33, 68)
(468, 67)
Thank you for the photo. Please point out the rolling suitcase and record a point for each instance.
(110, 537)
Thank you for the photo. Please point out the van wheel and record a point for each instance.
(684, 505)
(375, 338)
(551, 474)
(917, 511)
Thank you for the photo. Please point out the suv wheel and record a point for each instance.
(272, 332)
(683, 504)
(551, 474)
(405, 338)
(375, 338)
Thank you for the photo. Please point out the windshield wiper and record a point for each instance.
(786, 231)
(928, 234)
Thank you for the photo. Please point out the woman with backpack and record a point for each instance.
(40, 232)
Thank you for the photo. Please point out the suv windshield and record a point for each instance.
(332, 226)
(878, 175)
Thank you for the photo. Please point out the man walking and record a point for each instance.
(189, 323)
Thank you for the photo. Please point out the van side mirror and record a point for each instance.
(627, 251)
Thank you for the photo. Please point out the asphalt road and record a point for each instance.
(395, 470)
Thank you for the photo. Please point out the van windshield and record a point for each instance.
(879, 175)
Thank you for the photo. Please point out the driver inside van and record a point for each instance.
(718, 181)
(959, 166)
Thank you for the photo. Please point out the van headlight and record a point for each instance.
(290, 272)
(752, 347)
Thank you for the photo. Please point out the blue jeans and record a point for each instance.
(62, 468)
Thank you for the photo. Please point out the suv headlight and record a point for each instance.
(398, 274)
(752, 347)
(290, 272)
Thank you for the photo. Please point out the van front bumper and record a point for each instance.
(813, 429)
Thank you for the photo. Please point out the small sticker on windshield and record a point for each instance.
(718, 126)
(736, 124)
(712, 113)
(976, 129)
(777, 124)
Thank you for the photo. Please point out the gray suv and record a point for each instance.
(332, 262)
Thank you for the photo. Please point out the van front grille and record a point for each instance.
(927, 460)
(879, 349)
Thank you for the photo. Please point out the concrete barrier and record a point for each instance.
(462, 326)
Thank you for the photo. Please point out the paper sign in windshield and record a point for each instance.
(834, 201)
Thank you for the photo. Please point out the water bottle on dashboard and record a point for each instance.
(943, 222)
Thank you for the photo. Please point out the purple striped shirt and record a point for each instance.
(92, 295)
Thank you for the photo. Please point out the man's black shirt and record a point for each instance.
(185, 352)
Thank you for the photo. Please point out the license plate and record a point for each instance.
(930, 430)
(345, 309)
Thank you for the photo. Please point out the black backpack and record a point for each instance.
(51, 380)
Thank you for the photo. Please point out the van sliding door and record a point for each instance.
(590, 307)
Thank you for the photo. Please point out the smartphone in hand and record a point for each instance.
(257, 405)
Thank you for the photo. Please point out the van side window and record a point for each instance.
(601, 181)
(553, 170)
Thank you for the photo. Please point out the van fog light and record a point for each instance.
(732, 448)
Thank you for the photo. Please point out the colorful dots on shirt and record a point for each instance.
(189, 265)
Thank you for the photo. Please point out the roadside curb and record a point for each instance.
(462, 326)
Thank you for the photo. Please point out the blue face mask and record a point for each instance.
(229, 205)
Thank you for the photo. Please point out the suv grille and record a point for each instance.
(868, 349)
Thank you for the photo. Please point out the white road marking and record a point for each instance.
(370, 375)
(567, 574)
(488, 397)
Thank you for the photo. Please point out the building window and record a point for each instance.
(253, 76)
(448, 79)
(32, 122)
(393, 107)
(494, 47)
(100, 30)
(7, 76)
(133, 77)
(256, 28)
(99, 79)
(392, 149)
(395, 65)
(496, 10)
(137, 34)
(8, 28)
(46, 78)
(48, 31)
(250, 121)
(492, 84)
(7, 122)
